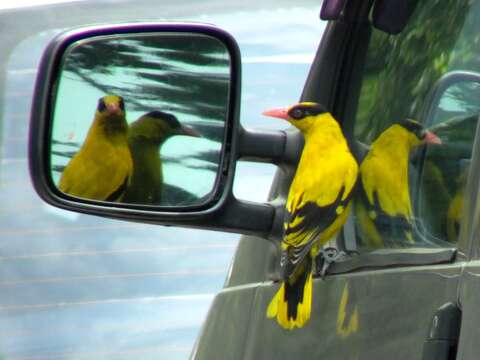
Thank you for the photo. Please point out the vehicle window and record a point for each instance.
(419, 88)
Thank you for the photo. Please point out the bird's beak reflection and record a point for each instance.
(112, 108)
(277, 113)
(187, 131)
(431, 138)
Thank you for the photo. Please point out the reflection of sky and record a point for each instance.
(458, 100)
(78, 286)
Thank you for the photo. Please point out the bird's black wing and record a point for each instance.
(396, 228)
(314, 217)
(117, 194)
(301, 237)
(392, 228)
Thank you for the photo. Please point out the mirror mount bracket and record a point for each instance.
(282, 148)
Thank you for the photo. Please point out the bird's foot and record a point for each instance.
(325, 258)
(275, 277)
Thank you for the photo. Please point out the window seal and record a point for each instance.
(387, 258)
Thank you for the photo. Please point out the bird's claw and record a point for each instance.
(275, 277)
(325, 258)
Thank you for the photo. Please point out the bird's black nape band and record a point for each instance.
(413, 126)
(121, 104)
(101, 105)
(170, 119)
(302, 110)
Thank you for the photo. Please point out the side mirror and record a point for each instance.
(141, 122)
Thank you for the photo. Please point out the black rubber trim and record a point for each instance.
(386, 258)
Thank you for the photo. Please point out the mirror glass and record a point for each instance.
(140, 118)
(445, 168)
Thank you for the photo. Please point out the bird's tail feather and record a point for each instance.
(292, 304)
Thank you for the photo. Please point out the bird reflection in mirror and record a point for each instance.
(383, 207)
(145, 139)
(317, 207)
(102, 168)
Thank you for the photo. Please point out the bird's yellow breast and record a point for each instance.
(385, 171)
(101, 166)
(325, 167)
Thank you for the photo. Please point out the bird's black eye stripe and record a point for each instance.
(101, 105)
(297, 113)
(301, 111)
(121, 103)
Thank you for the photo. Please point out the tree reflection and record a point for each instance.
(401, 69)
(184, 74)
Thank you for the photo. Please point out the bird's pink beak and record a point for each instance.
(187, 131)
(112, 108)
(431, 138)
(277, 113)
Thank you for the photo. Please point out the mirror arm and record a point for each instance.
(265, 146)
(281, 147)
(244, 217)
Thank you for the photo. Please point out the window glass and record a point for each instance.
(420, 87)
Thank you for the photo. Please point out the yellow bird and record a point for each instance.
(455, 209)
(383, 209)
(454, 216)
(145, 138)
(317, 207)
(101, 169)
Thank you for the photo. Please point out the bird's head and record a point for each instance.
(158, 126)
(302, 115)
(111, 105)
(111, 112)
(417, 134)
